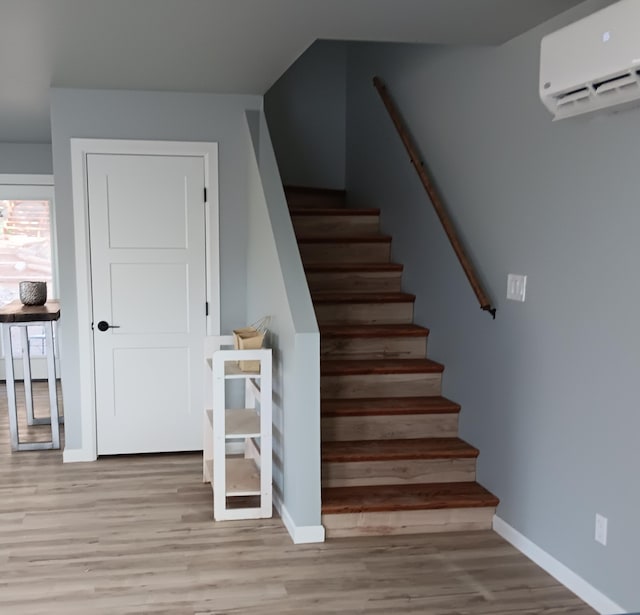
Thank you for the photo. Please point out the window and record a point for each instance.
(25, 245)
(26, 249)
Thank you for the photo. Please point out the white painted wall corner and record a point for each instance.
(300, 534)
(585, 591)
(78, 455)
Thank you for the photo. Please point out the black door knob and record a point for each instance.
(103, 325)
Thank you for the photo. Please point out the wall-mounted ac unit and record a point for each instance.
(594, 63)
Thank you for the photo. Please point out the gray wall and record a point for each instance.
(549, 390)
(29, 158)
(306, 113)
(154, 116)
(276, 286)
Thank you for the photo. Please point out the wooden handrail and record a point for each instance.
(441, 212)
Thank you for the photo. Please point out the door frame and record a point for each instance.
(80, 149)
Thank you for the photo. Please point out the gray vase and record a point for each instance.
(33, 293)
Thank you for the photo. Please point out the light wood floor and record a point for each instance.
(134, 535)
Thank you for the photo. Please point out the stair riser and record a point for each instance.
(352, 252)
(336, 226)
(349, 474)
(380, 385)
(303, 200)
(364, 313)
(408, 522)
(374, 347)
(389, 427)
(375, 281)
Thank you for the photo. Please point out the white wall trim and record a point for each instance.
(77, 455)
(300, 534)
(80, 148)
(585, 591)
(14, 179)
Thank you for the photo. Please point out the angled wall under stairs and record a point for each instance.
(391, 458)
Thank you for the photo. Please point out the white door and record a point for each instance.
(147, 236)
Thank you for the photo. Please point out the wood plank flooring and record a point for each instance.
(134, 535)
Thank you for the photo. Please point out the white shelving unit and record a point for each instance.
(237, 441)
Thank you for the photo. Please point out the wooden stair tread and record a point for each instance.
(349, 267)
(343, 238)
(330, 296)
(388, 406)
(399, 449)
(333, 211)
(355, 330)
(354, 367)
(426, 496)
(312, 198)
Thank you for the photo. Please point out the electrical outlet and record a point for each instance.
(601, 529)
(516, 287)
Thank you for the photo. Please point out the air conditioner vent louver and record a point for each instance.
(612, 82)
(624, 81)
(574, 96)
(592, 64)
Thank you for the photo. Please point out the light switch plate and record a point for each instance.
(601, 529)
(516, 287)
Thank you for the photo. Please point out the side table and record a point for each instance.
(17, 315)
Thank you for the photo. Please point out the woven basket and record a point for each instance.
(248, 338)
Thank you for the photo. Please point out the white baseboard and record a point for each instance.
(77, 455)
(594, 598)
(300, 534)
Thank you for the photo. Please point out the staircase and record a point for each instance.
(391, 459)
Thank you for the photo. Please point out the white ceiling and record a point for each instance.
(238, 46)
